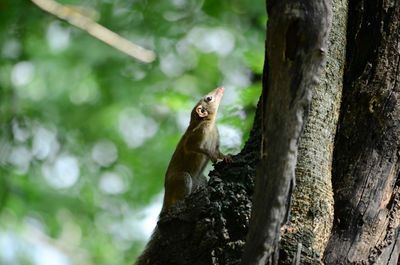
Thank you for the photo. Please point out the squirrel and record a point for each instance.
(198, 145)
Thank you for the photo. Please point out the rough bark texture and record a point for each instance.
(311, 214)
(210, 226)
(366, 165)
(295, 52)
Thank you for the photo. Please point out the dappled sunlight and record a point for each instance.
(208, 40)
(86, 132)
(58, 36)
(182, 120)
(230, 138)
(29, 241)
(104, 153)
(44, 144)
(63, 173)
(22, 73)
(145, 220)
(136, 128)
(127, 225)
(172, 66)
(28, 248)
(21, 157)
(112, 183)
(21, 130)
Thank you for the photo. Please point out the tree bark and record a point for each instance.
(366, 166)
(295, 52)
(211, 225)
(311, 214)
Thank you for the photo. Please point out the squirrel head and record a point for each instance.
(207, 107)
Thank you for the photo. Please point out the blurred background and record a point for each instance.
(86, 132)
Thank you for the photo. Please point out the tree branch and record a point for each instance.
(109, 37)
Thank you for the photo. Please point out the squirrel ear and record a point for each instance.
(201, 112)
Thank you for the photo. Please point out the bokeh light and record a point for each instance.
(86, 132)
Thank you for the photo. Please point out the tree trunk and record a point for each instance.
(295, 52)
(366, 166)
(311, 214)
(211, 225)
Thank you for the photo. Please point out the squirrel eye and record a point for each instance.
(208, 99)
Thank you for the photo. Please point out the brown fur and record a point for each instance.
(198, 145)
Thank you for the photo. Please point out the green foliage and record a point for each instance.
(86, 132)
